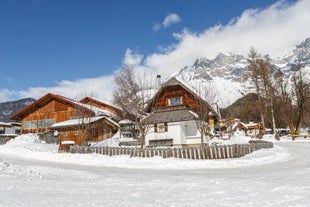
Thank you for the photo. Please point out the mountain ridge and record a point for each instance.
(7, 109)
(227, 74)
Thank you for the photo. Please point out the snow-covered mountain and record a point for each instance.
(11, 107)
(225, 72)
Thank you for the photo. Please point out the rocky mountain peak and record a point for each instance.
(7, 109)
(300, 55)
(227, 70)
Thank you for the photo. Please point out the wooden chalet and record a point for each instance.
(174, 113)
(237, 128)
(44, 114)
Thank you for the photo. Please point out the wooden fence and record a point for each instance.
(208, 152)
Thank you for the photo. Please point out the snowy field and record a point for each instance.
(34, 174)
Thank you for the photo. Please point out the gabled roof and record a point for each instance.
(45, 100)
(113, 112)
(234, 126)
(175, 81)
(87, 99)
(171, 114)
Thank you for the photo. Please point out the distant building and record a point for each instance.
(8, 130)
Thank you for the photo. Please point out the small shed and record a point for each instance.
(127, 129)
(85, 130)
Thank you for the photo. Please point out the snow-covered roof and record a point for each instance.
(100, 101)
(50, 96)
(98, 111)
(234, 126)
(126, 121)
(5, 124)
(172, 114)
(76, 122)
(68, 142)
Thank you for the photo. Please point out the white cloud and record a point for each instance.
(171, 19)
(6, 95)
(100, 87)
(132, 59)
(168, 21)
(156, 27)
(274, 31)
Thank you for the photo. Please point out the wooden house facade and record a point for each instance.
(41, 115)
(174, 112)
(85, 130)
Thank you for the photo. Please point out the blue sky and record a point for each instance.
(75, 46)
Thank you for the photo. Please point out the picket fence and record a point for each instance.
(208, 152)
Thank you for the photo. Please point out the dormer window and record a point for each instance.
(175, 101)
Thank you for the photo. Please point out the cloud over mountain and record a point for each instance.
(274, 30)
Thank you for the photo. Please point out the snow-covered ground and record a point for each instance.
(34, 174)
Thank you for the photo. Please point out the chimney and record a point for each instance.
(157, 84)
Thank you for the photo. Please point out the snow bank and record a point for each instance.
(232, 140)
(29, 147)
(270, 138)
(28, 143)
(112, 142)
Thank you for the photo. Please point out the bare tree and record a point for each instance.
(83, 115)
(131, 93)
(207, 97)
(300, 93)
(255, 76)
(283, 104)
(268, 88)
(125, 94)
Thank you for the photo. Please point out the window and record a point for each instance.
(175, 101)
(44, 123)
(161, 127)
(76, 132)
(94, 132)
(30, 124)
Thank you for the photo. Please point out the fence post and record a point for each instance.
(187, 153)
(202, 152)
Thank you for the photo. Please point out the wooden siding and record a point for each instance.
(52, 110)
(176, 91)
(104, 130)
(102, 105)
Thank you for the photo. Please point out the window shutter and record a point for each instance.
(155, 128)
